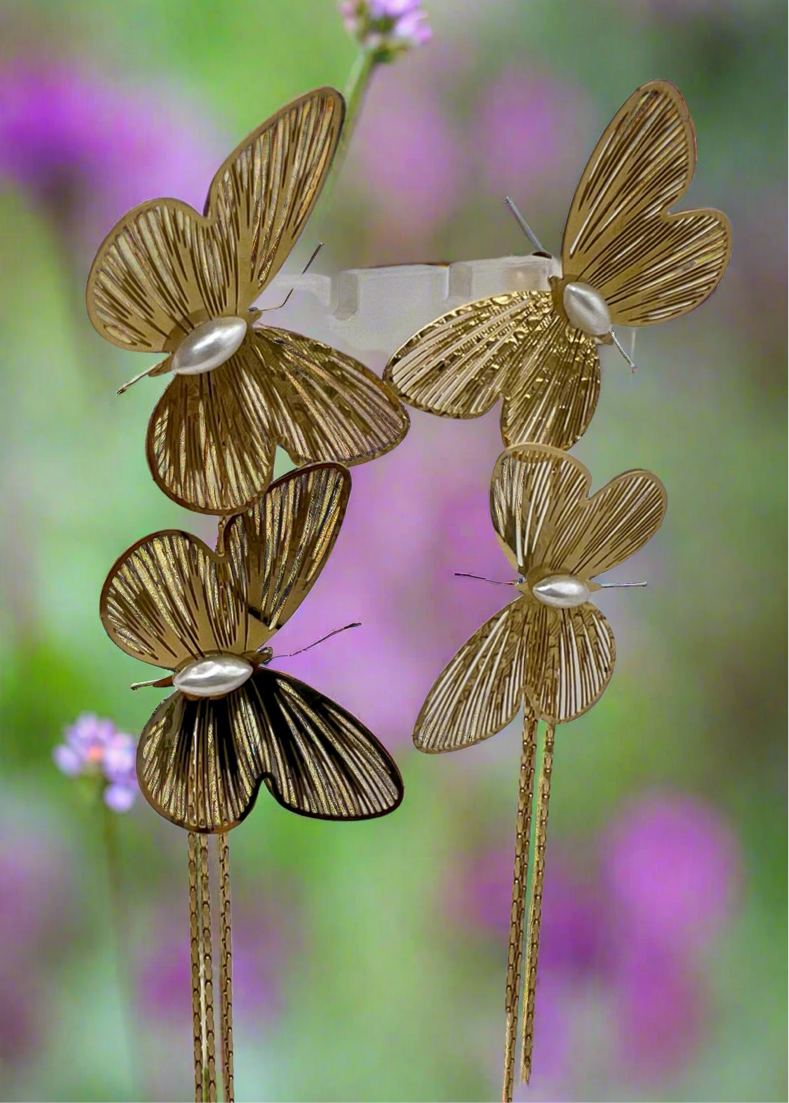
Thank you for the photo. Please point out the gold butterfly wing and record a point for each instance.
(513, 346)
(649, 265)
(264, 192)
(481, 689)
(164, 268)
(200, 764)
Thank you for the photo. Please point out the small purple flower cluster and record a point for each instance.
(386, 28)
(95, 748)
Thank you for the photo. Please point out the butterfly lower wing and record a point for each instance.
(209, 446)
(458, 365)
(167, 600)
(569, 662)
(481, 689)
(649, 265)
(160, 271)
(534, 492)
(263, 194)
(279, 546)
(319, 760)
(324, 404)
(616, 523)
(553, 398)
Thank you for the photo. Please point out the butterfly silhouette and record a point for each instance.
(234, 722)
(625, 260)
(167, 279)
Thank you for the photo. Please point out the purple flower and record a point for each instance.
(386, 28)
(626, 936)
(88, 150)
(411, 164)
(264, 939)
(531, 132)
(94, 747)
(672, 864)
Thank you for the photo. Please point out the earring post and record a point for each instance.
(524, 225)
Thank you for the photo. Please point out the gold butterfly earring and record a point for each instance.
(625, 261)
(549, 651)
(234, 723)
(167, 279)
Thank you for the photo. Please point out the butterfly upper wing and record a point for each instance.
(617, 521)
(209, 445)
(480, 690)
(263, 194)
(648, 265)
(159, 272)
(534, 495)
(200, 763)
(163, 269)
(279, 547)
(168, 600)
(569, 662)
(323, 404)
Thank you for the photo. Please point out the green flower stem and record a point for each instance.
(354, 92)
(121, 945)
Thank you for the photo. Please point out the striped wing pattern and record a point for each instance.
(649, 265)
(201, 762)
(481, 689)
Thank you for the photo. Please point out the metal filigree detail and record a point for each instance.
(648, 266)
(170, 600)
(164, 270)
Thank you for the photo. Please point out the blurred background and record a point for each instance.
(370, 958)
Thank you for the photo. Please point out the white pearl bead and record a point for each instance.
(209, 345)
(561, 591)
(586, 309)
(214, 676)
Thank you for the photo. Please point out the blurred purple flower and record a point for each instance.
(530, 132)
(414, 517)
(386, 28)
(88, 150)
(94, 747)
(409, 162)
(37, 887)
(667, 878)
(263, 942)
(672, 865)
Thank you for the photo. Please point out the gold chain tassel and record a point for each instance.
(207, 977)
(522, 834)
(195, 941)
(535, 906)
(225, 967)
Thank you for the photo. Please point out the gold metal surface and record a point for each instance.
(648, 265)
(169, 600)
(165, 269)
(519, 879)
(225, 968)
(535, 905)
(554, 662)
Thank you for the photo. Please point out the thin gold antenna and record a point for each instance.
(137, 378)
(481, 578)
(328, 636)
(305, 269)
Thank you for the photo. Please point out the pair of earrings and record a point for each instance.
(169, 280)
